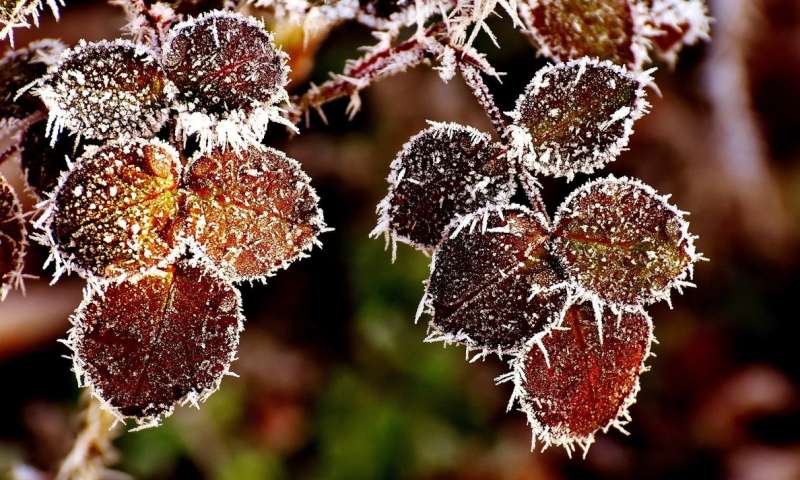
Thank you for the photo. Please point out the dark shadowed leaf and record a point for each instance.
(224, 61)
(571, 385)
(106, 90)
(493, 285)
(620, 241)
(20, 67)
(576, 117)
(251, 212)
(43, 164)
(605, 29)
(145, 345)
(113, 213)
(445, 170)
(13, 241)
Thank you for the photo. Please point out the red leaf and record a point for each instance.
(621, 242)
(677, 23)
(492, 284)
(144, 345)
(252, 212)
(443, 171)
(13, 243)
(113, 213)
(582, 385)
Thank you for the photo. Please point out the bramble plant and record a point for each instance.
(154, 185)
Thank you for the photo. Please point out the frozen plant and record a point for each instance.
(147, 157)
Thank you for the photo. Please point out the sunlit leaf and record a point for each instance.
(13, 243)
(106, 90)
(576, 117)
(571, 385)
(144, 345)
(445, 170)
(229, 74)
(113, 213)
(621, 242)
(493, 285)
(606, 29)
(252, 212)
(42, 163)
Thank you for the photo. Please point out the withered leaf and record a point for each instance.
(146, 344)
(571, 385)
(443, 171)
(252, 212)
(576, 117)
(493, 285)
(106, 91)
(13, 243)
(113, 213)
(621, 242)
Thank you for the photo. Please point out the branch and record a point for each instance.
(472, 76)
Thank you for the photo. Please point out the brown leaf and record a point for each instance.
(443, 171)
(146, 344)
(621, 242)
(493, 285)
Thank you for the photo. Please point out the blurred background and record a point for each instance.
(335, 381)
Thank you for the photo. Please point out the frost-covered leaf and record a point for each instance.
(576, 117)
(493, 285)
(571, 385)
(113, 212)
(443, 171)
(621, 242)
(18, 68)
(606, 29)
(13, 243)
(106, 90)
(42, 163)
(20, 13)
(252, 212)
(677, 23)
(147, 344)
(229, 74)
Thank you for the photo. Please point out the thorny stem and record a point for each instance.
(381, 62)
(472, 77)
(93, 450)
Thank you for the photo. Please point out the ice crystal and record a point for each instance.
(105, 91)
(493, 284)
(20, 13)
(112, 213)
(229, 75)
(251, 212)
(13, 243)
(620, 241)
(572, 384)
(576, 117)
(143, 345)
(445, 170)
